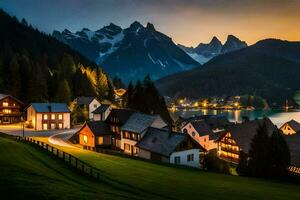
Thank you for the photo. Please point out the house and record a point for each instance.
(238, 138)
(95, 134)
(135, 128)
(293, 142)
(102, 112)
(88, 103)
(116, 119)
(290, 128)
(201, 132)
(11, 109)
(169, 147)
(45, 116)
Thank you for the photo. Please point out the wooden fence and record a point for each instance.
(71, 160)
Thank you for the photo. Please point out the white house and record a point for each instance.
(102, 112)
(170, 147)
(45, 116)
(90, 103)
(135, 128)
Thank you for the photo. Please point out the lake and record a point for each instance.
(277, 116)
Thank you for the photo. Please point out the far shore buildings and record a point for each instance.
(11, 109)
(290, 128)
(238, 138)
(46, 116)
(89, 103)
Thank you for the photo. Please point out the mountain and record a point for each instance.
(259, 69)
(36, 67)
(204, 52)
(129, 53)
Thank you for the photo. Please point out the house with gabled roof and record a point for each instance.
(238, 138)
(88, 103)
(11, 109)
(93, 135)
(102, 112)
(166, 146)
(134, 129)
(46, 116)
(290, 128)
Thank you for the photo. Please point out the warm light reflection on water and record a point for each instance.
(278, 117)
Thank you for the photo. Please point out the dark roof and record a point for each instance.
(244, 132)
(294, 125)
(162, 141)
(101, 109)
(138, 122)
(214, 121)
(202, 128)
(2, 96)
(50, 107)
(85, 100)
(121, 114)
(99, 128)
(294, 144)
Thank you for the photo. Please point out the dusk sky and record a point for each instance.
(188, 22)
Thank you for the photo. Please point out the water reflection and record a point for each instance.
(278, 117)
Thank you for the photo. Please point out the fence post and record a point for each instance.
(52, 150)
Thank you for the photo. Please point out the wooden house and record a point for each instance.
(46, 116)
(134, 129)
(170, 147)
(11, 109)
(238, 138)
(89, 104)
(95, 134)
(290, 128)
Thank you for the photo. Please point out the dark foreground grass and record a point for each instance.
(33, 173)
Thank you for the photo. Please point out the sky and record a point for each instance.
(188, 22)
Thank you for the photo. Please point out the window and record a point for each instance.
(5, 104)
(53, 126)
(126, 147)
(60, 116)
(185, 130)
(53, 116)
(45, 117)
(193, 134)
(100, 140)
(45, 126)
(60, 125)
(7, 111)
(85, 139)
(177, 159)
(95, 105)
(190, 157)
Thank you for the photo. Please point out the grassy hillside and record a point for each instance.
(182, 183)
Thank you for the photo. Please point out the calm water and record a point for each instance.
(278, 117)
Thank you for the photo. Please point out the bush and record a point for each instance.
(213, 163)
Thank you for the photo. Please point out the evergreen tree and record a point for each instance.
(243, 168)
(15, 84)
(129, 95)
(280, 152)
(260, 154)
(63, 92)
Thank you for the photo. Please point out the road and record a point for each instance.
(62, 138)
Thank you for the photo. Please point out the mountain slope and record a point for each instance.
(204, 52)
(37, 67)
(130, 53)
(246, 71)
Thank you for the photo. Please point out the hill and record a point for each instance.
(37, 67)
(253, 70)
(130, 53)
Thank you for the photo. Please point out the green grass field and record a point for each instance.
(33, 172)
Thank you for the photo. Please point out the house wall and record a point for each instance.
(93, 106)
(96, 117)
(147, 155)
(10, 110)
(102, 116)
(37, 119)
(228, 149)
(202, 140)
(31, 115)
(184, 157)
(66, 120)
(90, 137)
(158, 123)
(287, 129)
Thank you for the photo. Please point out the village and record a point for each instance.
(109, 128)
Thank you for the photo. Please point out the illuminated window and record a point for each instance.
(100, 140)
(60, 116)
(5, 104)
(85, 139)
(60, 125)
(127, 147)
(53, 126)
(53, 116)
(7, 111)
(45, 126)
(45, 117)
(95, 105)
